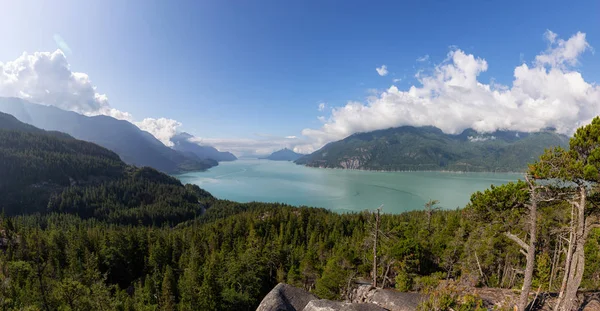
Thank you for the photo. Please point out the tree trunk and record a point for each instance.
(530, 266)
(574, 267)
(578, 261)
(385, 275)
(568, 261)
(555, 257)
(429, 212)
(375, 249)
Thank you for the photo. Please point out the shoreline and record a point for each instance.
(410, 171)
(355, 169)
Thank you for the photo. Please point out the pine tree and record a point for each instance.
(167, 300)
(190, 282)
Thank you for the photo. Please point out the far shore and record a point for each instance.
(411, 171)
(367, 170)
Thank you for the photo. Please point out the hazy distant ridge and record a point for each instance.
(284, 154)
(181, 143)
(133, 145)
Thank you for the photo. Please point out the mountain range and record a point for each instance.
(428, 148)
(47, 171)
(133, 145)
(68, 205)
(284, 154)
(182, 143)
(401, 148)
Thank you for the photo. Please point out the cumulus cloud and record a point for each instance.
(253, 147)
(46, 78)
(396, 80)
(382, 71)
(423, 58)
(562, 53)
(112, 112)
(163, 129)
(547, 93)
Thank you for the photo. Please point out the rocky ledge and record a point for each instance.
(285, 297)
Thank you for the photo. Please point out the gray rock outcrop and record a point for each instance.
(329, 305)
(284, 297)
(386, 298)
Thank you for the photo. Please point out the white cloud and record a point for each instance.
(46, 78)
(423, 58)
(562, 53)
(550, 36)
(382, 71)
(162, 128)
(479, 138)
(253, 147)
(112, 112)
(396, 80)
(548, 93)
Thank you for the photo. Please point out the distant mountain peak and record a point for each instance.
(182, 143)
(182, 135)
(284, 154)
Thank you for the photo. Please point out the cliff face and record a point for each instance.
(355, 162)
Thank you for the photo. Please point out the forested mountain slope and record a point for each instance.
(231, 260)
(428, 148)
(137, 239)
(133, 145)
(50, 171)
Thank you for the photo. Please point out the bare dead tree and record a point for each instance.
(375, 241)
(528, 249)
(580, 227)
(555, 258)
(430, 208)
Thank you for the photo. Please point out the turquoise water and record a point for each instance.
(340, 190)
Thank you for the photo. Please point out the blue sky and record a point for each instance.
(235, 69)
